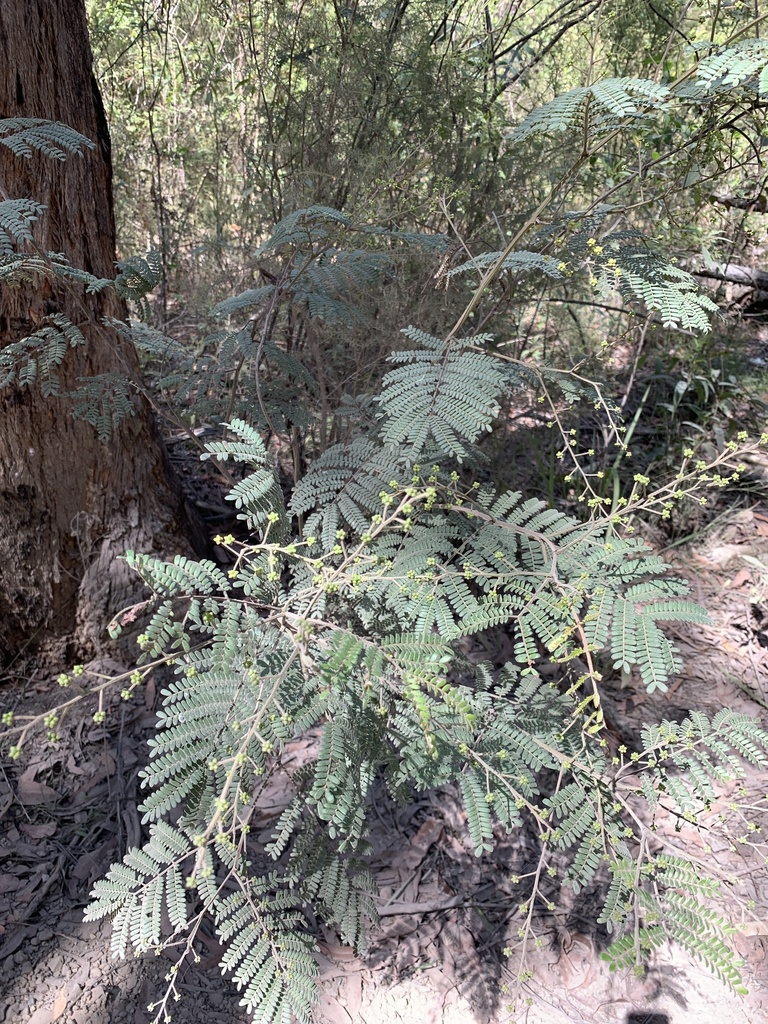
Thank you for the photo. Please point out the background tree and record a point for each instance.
(70, 504)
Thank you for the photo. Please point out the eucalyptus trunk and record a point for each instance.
(70, 505)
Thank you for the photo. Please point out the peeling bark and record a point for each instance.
(70, 505)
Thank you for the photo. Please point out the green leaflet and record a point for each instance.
(442, 392)
(16, 218)
(602, 104)
(23, 135)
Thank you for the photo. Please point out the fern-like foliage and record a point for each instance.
(698, 753)
(60, 266)
(268, 953)
(104, 400)
(299, 635)
(36, 357)
(349, 623)
(16, 218)
(432, 242)
(608, 104)
(741, 64)
(24, 267)
(322, 272)
(24, 135)
(330, 284)
(136, 278)
(156, 347)
(680, 765)
(622, 261)
(671, 916)
(250, 298)
(259, 495)
(343, 487)
(347, 610)
(441, 391)
(661, 285)
(306, 226)
(137, 891)
(519, 262)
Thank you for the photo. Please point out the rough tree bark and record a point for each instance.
(69, 504)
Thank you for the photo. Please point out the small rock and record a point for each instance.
(41, 1016)
(88, 929)
(74, 988)
(45, 935)
(82, 976)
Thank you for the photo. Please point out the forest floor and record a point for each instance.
(446, 916)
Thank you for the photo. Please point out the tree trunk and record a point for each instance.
(70, 505)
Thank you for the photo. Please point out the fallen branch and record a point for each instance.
(735, 274)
